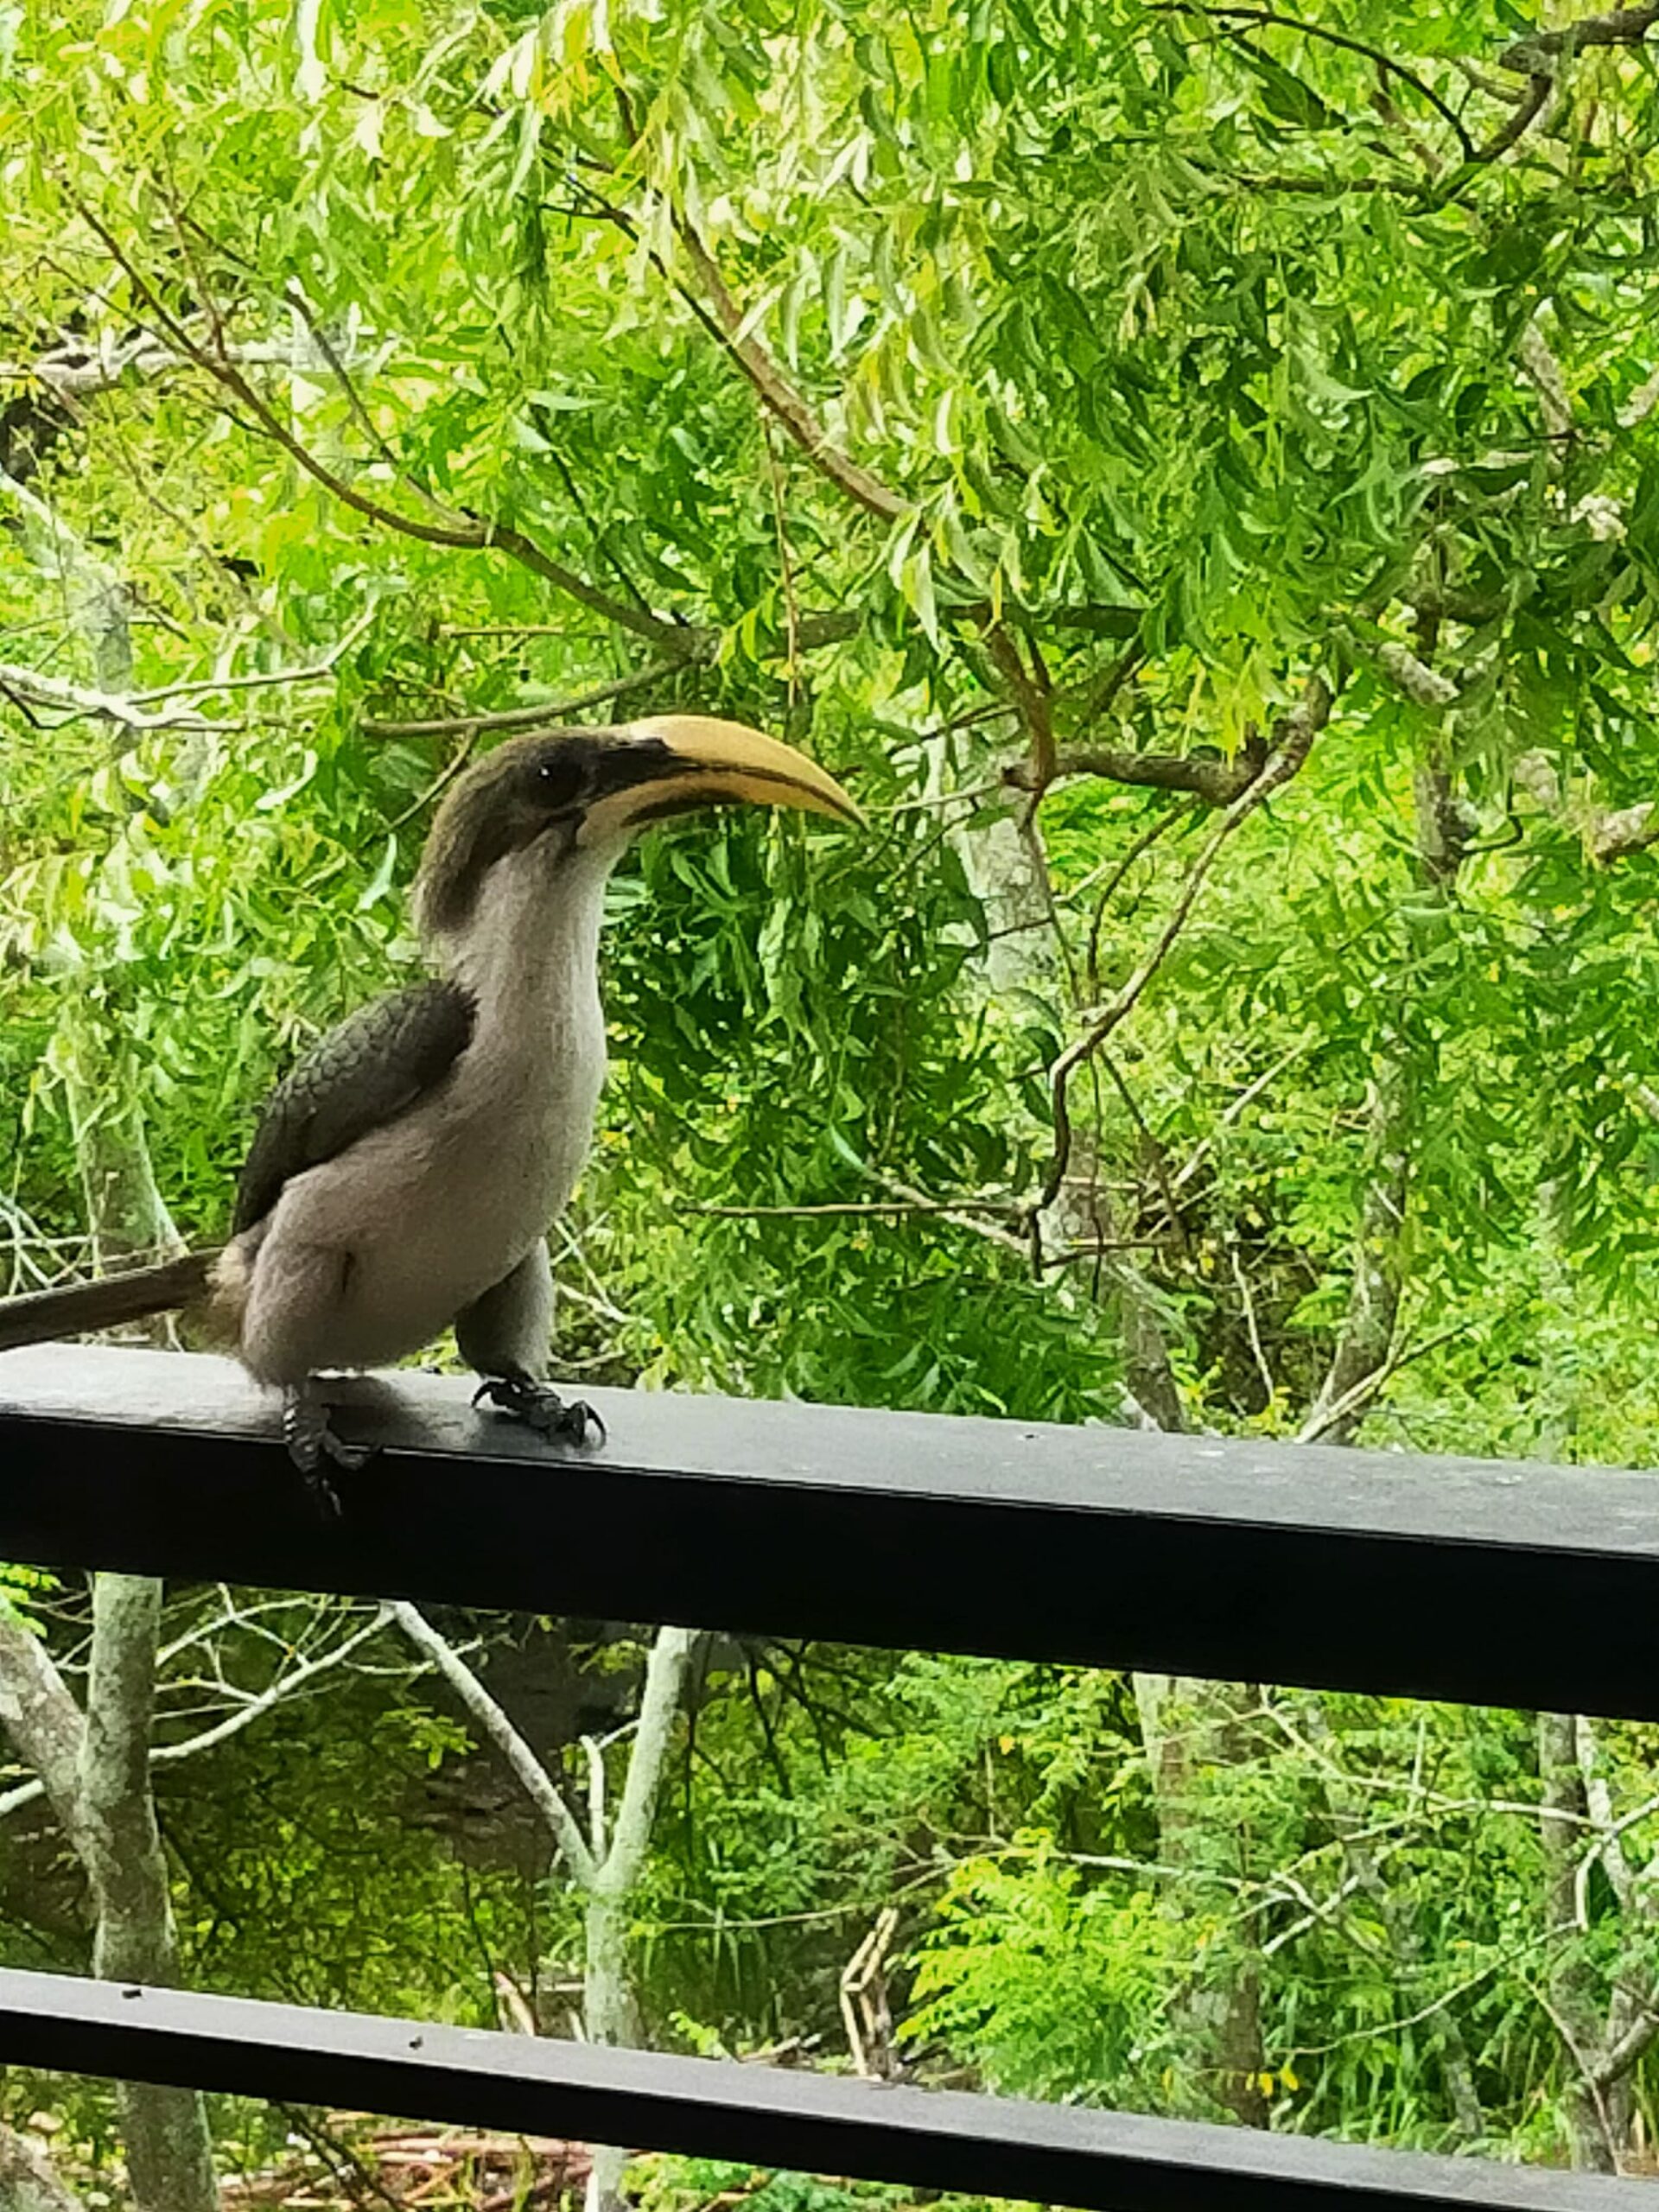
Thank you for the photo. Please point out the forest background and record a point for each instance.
(1194, 470)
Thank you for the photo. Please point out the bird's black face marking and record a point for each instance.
(642, 760)
(532, 794)
(568, 773)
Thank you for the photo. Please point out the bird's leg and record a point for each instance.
(310, 1435)
(521, 1397)
(504, 1334)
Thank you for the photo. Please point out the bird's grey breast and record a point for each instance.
(435, 1208)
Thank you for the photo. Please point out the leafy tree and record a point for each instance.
(1192, 467)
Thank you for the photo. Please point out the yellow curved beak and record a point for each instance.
(711, 762)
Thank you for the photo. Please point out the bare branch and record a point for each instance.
(74, 370)
(549, 711)
(285, 1685)
(465, 531)
(314, 672)
(528, 1771)
(130, 710)
(1619, 26)
(79, 700)
(1294, 737)
(1423, 686)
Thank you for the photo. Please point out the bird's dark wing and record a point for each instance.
(357, 1078)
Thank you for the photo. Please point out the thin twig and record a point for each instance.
(1296, 734)
(1142, 845)
(314, 672)
(1323, 1419)
(360, 415)
(854, 1206)
(465, 531)
(1269, 19)
(791, 608)
(530, 1775)
(1246, 1098)
(550, 712)
(81, 701)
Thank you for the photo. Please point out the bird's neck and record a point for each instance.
(529, 952)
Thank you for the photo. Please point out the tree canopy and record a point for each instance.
(1192, 469)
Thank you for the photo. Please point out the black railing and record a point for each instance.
(1484, 1583)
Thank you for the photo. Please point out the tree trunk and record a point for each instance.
(608, 2007)
(1366, 1337)
(1405, 1064)
(169, 2150)
(95, 1771)
(610, 2016)
(125, 1210)
(1188, 1726)
(605, 1869)
(1597, 2140)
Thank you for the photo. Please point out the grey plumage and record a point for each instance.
(362, 1075)
(404, 1175)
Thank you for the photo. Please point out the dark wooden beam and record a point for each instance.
(762, 2116)
(1503, 1584)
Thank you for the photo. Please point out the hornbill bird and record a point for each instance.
(404, 1175)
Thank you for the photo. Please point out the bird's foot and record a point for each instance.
(521, 1398)
(309, 1432)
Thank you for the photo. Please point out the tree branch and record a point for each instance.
(1619, 26)
(1215, 779)
(79, 700)
(1268, 18)
(1516, 125)
(1294, 739)
(465, 531)
(671, 1655)
(277, 1693)
(528, 1771)
(789, 406)
(43, 1722)
(551, 712)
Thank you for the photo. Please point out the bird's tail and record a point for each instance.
(75, 1308)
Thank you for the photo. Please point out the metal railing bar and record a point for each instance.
(806, 2122)
(1370, 1571)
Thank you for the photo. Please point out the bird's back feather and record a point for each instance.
(359, 1077)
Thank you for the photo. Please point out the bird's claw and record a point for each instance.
(541, 1408)
(311, 1441)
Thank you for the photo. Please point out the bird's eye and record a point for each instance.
(558, 780)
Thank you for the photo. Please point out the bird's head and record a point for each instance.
(571, 792)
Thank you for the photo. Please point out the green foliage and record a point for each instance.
(1113, 370)
(665, 2184)
(1053, 1989)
